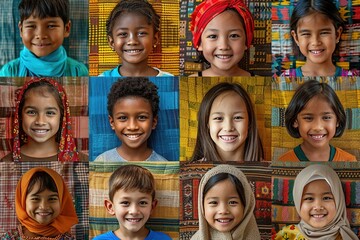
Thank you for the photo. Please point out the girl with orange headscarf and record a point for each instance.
(43, 206)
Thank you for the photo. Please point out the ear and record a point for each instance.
(156, 39)
(109, 207)
(153, 205)
(111, 121)
(338, 34)
(20, 28)
(111, 42)
(295, 37)
(200, 48)
(67, 29)
(154, 123)
(296, 124)
(337, 124)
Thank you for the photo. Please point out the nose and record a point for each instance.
(40, 33)
(43, 204)
(40, 119)
(316, 39)
(318, 124)
(318, 206)
(223, 208)
(223, 43)
(133, 209)
(228, 124)
(133, 39)
(132, 124)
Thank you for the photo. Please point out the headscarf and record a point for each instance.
(209, 9)
(247, 229)
(62, 223)
(67, 148)
(340, 223)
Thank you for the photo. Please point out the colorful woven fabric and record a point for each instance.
(165, 56)
(75, 175)
(78, 104)
(282, 48)
(283, 176)
(165, 217)
(348, 91)
(256, 60)
(259, 176)
(76, 44)
(192, 91)
(164, 139)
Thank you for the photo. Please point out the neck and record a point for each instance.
(124, 234)
(134, 154)
(315, 154)
(137, 70)
(311, 69)
(233, 156)
(234, 71)
(40, 150)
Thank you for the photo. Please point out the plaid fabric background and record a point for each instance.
(256, 60)
(165, 217)
(348, 91)
(77, 93)
(192, 91)
(282, 48)
(283, 176)
(76, 44)
(76, 177)
(259, 176)
(164, 139)
(165, 56)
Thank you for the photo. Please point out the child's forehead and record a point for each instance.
(132, 192)
(36, 18)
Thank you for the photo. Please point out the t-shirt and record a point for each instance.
(151, 236)
(115, 73)
(112, 155)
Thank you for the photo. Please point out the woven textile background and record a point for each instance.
(165, 56)
(192, 91)
(256, 60)
(165, 218)
(77, 93)
(76, 177)
(283, 55)
(283, 176)
(348, 91)
(164, 139)
(76, 44)
(259, 176)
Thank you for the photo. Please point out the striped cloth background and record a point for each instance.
(348, 91)
(283, 176)
(76, 44)
(76, 177)
(165, 56)
(192, 91)
(164, 139)
(165, 218)
(77, 93)
(281, 45)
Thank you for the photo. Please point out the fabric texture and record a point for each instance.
(339, 72)
(67, 149)
(340, 223)
(209, 9)
(247, 229)
(151, 236)
(112, 155)
(115, 73)
(62, 223)
(292, 232)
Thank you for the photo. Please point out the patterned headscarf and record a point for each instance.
(67, 148)
(340, 224)
(209, 9)
(63, 222)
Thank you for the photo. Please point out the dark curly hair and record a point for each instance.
(134, 86)
(141, 7)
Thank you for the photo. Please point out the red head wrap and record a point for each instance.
(67, 149)
(209, 9)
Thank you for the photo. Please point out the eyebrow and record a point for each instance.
(47, 108)
(308, 30)
(324, 193)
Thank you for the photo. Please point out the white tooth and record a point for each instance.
(227, 138)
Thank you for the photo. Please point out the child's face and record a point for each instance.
(133, 38)
(133, 121)
(317, 123)
(42, 207)
(43, 36)
(40, 116)
(223, 208)
(317, 204)
(228, 125)
(132, 209)
(316, 37)
(223, 41)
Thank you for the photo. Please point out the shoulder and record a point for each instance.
(11, 68)
(162, 73)
(111, 73)
(77, 68)
(289, 232)
(157, 236)
(155, 157)
(109, 156)
(341, 155)
(289, 73)
(108, 235)
(289, 156)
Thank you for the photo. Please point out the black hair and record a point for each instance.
(44, 8)
(137, 87)
(45, 181)
(302, 96)
(141, 7)
(224, 176)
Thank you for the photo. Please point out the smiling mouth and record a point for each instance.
(316, 52)
(224, 220)
(133, 51)
(133, 220)
(40, 131)
(132, 136)
(228, 138)
(318, 216)
(317, 136)
(223, 56)
(41, 44)
(44, 214)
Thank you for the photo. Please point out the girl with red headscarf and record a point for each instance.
(222, 31)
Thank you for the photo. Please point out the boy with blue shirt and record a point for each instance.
(43, 26)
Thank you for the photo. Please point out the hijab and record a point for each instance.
(340, 224)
